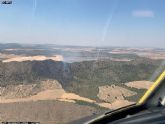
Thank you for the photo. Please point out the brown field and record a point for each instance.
(112, 93)
(116, 104)
(52, 90)
(32, 58)
(45, 112)
(139, 84)
(142, 52)
(48, 90)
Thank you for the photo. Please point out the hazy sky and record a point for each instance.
(84, 22)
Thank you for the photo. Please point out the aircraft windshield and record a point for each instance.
(65, 60)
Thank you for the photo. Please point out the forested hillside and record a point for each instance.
(82, 78)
